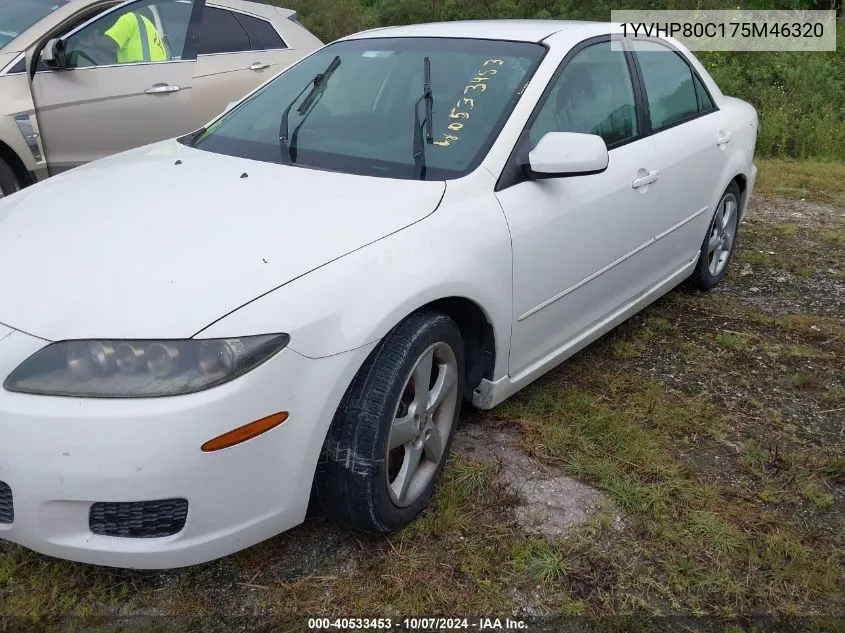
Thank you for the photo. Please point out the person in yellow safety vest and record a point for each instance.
(137, 39)
(132, 38)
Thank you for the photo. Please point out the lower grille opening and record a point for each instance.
(138, 519)
(7, 510)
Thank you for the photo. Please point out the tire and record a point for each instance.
(359, 482)
(8, 181)
(718, 245)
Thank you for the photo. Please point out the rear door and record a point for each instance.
(237, 52)
(98, 106)
(691, 139)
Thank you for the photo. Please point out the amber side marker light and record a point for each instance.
(245, 432)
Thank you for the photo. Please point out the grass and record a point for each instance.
(809, 180)
(732, 340)
(835, 237)
(710, 423)
(696, 543)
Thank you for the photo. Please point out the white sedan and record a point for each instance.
(199, 336)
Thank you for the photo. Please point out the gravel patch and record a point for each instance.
(550, 503)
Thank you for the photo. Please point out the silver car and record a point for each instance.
(65, 101)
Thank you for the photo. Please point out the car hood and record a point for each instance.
(161, 241)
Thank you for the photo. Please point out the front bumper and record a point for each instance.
(61, 455)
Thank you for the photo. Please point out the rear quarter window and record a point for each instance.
(221, 32)
(262, 35)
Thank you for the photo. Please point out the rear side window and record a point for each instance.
(668, 84)
(261, 33)
(222, 33)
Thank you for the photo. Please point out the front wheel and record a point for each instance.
(717, 248)
(390, 437)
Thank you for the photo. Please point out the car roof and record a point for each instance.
(256, 7)
(511, 30)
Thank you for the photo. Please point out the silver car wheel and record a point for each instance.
(422, 424)
(722, 234)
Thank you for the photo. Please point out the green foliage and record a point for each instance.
(800, 95)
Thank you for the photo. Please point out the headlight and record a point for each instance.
(140, 369)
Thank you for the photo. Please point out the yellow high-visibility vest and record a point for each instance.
(137, 39)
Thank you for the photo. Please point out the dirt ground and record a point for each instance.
(690, 462)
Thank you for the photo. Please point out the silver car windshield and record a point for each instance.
(361, 116)
(16, 16)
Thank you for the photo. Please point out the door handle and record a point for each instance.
(258, 66)
(157, 89)
(723, 140)
(649, 178)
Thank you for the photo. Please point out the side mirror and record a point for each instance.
(54, 54)
(561, 154)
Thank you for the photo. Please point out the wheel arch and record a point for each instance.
(478, 336)
(735, 171)
(741, 181)
(11, 158)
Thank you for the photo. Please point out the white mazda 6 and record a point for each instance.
(200, 336)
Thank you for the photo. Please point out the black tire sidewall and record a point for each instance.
(444, 331)
(392, 361)
(8, 181)
(701, 277)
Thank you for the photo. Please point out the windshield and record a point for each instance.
(360, 116)
(16, 16)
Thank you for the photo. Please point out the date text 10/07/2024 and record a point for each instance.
(416, 624)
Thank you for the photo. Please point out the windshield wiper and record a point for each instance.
(428, 98)
(316, 84)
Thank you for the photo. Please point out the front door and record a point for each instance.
(127, 82)
(581, 243)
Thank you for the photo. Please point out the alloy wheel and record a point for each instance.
(422, 424)
(722, 234)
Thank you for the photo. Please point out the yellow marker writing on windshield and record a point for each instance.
(477, 83)
(447, 140)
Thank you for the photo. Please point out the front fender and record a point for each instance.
(17, 102)
(461, 250)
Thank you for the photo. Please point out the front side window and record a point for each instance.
(592, 95)
(362, 119)
(668, 84)
(140, 32)
(16, 16)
